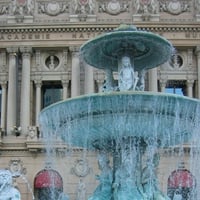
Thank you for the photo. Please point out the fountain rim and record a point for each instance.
(144, 49)
(143, 93)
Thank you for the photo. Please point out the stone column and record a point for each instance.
(75, 82)
(25, 89)
(38, 84)
(3, 104)
(190, 87)
(153, 80)
(163, 83)
(89, 80)
(100, 84)
(65, 84)
(12, 90)
(198, 69)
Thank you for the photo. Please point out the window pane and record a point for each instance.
(51, 95)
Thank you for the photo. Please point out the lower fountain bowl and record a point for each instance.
(106, 117)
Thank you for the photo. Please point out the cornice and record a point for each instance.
(156, 27)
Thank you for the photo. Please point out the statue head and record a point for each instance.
(126, 61)
(5, 177)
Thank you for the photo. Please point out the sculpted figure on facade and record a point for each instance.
(146, 7)
(21, 8)
(83, 7)
(197, 6)
(4, 9)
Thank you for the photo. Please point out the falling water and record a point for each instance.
(133, 127)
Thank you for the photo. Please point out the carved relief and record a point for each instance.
(114, 7)
(21, 7)
(83, 7)
(4, 9)
(80, 168)
(176, 61)
(174, 7)
(146, 6)
(16, 167)
(33, 133)
(52, 8)
(52, 61)
(197, 6)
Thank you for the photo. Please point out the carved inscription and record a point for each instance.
(25, 36)
(72, 35)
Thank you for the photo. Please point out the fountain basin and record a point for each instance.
(105, 117)
(147, 49)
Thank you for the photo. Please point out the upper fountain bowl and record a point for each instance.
(147, 49)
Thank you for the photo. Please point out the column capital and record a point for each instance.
(65, 83)
(38, 83)
(190, 82)
(25, 49)
(12, 50)
(3, 83)
(74, 50)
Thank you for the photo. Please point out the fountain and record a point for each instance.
(125, 122)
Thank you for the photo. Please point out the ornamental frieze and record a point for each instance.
(52, 8)
(174, 7)
(114, 7)
(81, 34)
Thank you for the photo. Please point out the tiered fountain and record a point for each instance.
(123, 121)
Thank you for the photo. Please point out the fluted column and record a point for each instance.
(65, 84)
(12, 90)
(190, 88)
(89, 80)
(25, 89)
(198, 69)
(3, 104)
(75, 82)
(153, 80)
(38, 84)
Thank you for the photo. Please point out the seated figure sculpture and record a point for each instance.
(104, 189)
(125, 187)
(150, 180)
(7, 191)
(127, 77)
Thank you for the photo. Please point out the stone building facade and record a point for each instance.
(40, 65)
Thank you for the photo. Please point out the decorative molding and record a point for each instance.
(174, 7)
(114, 7)
(16, 167)
(81, 168)
(52, 8)
(100, 28)
(21, 8)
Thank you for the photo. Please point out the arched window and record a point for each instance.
(182, 184)
(48, 185)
